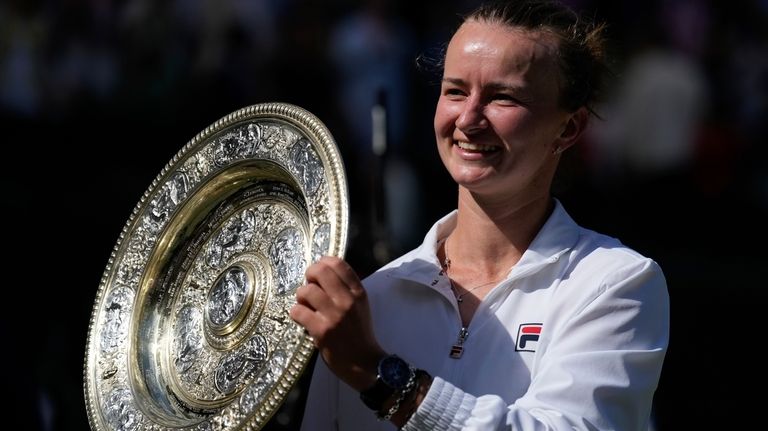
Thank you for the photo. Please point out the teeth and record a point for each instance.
(475, 147)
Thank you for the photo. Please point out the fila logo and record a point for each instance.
(528, 337)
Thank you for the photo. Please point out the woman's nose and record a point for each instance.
(472, 117)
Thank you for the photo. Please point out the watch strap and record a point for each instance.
(409, 387)
(375, 396)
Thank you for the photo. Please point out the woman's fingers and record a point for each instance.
(313, 296)
(343, 271)
(332, 303)
(337, 279)
(304, 310)
(333, 308)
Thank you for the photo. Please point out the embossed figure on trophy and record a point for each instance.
(120, 412)
(253, 132)
(287, 254)
(228, 296)
(172, 192)
(235, 369)
(233, 147)
(271, 136)
(116, 322)
(306, 165)
(234, 237)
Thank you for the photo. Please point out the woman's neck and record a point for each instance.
(493, 235)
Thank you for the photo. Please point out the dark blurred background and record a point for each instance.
(97, 96)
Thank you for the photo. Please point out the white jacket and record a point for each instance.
(573, 339)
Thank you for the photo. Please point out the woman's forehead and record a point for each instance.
(512, 48)
(503, 34)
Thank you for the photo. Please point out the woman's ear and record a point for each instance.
(574, 126)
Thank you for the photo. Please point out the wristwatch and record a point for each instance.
(393, 375)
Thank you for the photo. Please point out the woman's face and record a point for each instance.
(498, 120)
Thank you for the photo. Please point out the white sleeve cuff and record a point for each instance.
(445, 407)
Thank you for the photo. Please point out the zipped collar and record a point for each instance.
(558, 235)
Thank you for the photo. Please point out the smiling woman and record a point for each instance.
(533, 322)
(498, 121)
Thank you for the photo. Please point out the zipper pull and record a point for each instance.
(458, 349)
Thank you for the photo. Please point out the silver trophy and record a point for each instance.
(190, 327)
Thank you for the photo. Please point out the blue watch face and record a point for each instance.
(394, 372)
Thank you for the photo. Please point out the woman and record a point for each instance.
(509, 315)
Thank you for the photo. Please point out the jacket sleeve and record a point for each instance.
(323, 391)
(599, 373)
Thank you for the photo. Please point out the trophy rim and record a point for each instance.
(332, 207)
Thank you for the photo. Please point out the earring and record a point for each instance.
(557, 150)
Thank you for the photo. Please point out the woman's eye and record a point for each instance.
(506, 98)
(453, 92)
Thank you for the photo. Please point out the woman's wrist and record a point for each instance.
(412, 401)
(400, 395)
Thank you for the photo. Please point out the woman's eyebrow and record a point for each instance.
(455, 81)
(501, 86)
(495, 86)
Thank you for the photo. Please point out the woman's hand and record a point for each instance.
(333, 308)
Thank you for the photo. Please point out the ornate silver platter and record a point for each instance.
(190, 327)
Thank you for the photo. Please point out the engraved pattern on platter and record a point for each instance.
(117, 313)
(236, 145)
(130, 268)
(274, 139)
(257, 284)
(164, 203)
(287, 254)
(321, 241)
(306, 166)
(120, 412)
(227, 299)
(204, 371)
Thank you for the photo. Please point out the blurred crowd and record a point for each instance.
(691, 95)
(677, 167)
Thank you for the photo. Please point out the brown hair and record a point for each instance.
(581, 46)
